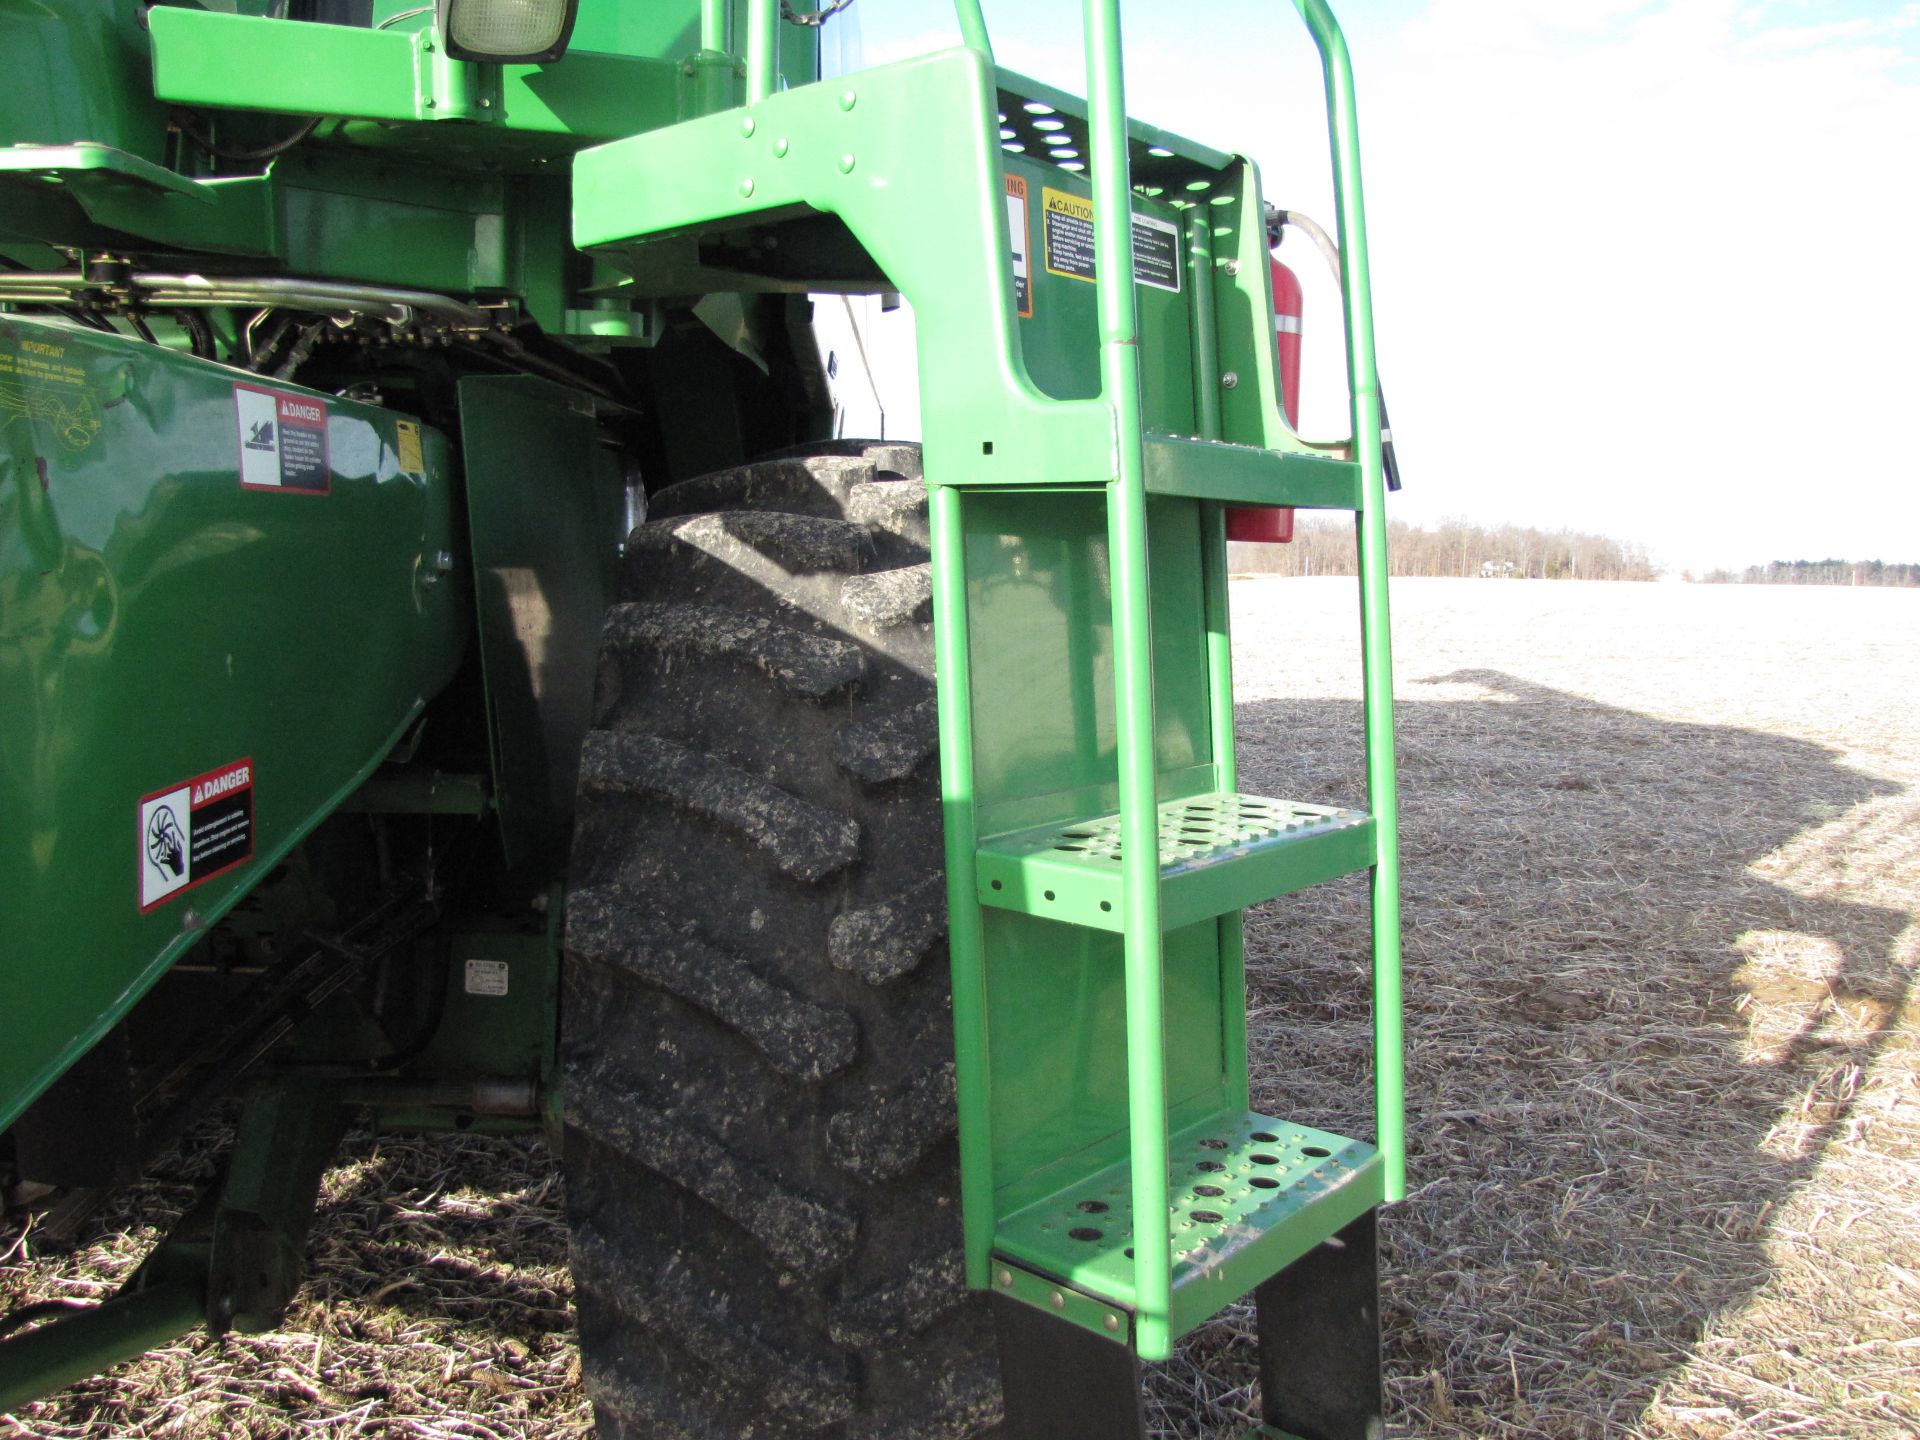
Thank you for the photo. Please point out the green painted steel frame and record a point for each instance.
(909, 157)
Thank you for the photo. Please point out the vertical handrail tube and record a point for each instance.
(713, 25)
(1382, 787)
(763, 49)
(966, 947)
(973, 27)
(1133, 677)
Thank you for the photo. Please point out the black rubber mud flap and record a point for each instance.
(1063, 1382)
(1319, 1322)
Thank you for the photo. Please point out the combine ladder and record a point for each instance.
(1099, 852)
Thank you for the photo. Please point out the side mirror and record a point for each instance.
(516, 32)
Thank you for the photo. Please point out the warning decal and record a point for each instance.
(283, 440)
(1068, 221)
(1022, 246)
(194, 831)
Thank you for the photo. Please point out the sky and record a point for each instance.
(1649, 268)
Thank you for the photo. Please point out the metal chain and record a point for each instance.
(812, 17)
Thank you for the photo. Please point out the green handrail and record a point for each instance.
(1133, 675)
(1363, 382)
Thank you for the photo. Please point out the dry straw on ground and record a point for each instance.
(1662, 873)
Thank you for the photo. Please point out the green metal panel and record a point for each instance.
(77, 70)
(546, 507)
(158, 622)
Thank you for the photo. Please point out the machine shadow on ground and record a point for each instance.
(1627, 1046)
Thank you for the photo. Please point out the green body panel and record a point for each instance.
(157, 622)
(545, 502)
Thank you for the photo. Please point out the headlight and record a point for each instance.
(519, 32)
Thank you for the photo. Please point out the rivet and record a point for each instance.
(848, 98)
(1113, 1322)
(1232, 267)
(1229, 380)
(486, 104)
(780, 147)
(746, 186)
(746, 125)
(846, 163)
(1057, 1300)
(1005, 1277)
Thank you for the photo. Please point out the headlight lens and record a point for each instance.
(506, 29)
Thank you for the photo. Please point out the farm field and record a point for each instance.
(1662, 870)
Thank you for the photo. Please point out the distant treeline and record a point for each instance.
(1454, 547)
(1818, 572)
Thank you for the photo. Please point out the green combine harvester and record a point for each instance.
(449, 672)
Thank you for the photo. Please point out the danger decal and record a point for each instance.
(283, 440)
(193, 831)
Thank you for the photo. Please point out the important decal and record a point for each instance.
(487, 977)
(1022, 239)
(1068, 224)
(407, 442)
(194, 831)
(1156, 253)
(283, 440)
(40, 381)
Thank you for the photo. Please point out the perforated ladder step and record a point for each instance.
(1250, 1195)
(1218, 852)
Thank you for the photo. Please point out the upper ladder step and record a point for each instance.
(1248, 475)
(1218, 852)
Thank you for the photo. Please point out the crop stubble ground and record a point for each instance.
(1662, 851)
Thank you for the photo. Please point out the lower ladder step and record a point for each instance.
(1250, 1195)
(1218, 853)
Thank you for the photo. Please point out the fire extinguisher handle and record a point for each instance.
(1388, 462)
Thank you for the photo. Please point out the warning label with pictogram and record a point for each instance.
(283, 440)
(194, 831)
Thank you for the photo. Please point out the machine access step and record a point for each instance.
(1251, 1194)
(1218, 853)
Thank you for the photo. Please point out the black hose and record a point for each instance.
(204, 139)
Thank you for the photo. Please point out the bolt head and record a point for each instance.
(1005, 1279)
(1057, 1300)
(780, 148)
(1229, 380)
(1232, 267)
(746, 125)
(746, 186)
(849, 98)
(1112, 1322)
(846, 164)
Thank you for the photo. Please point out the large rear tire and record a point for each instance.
(761, 1169)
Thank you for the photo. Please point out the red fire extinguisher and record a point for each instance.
(1270, 523)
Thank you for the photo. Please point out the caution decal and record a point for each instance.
(194, 831)
(1068, 222)
(283, 440)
